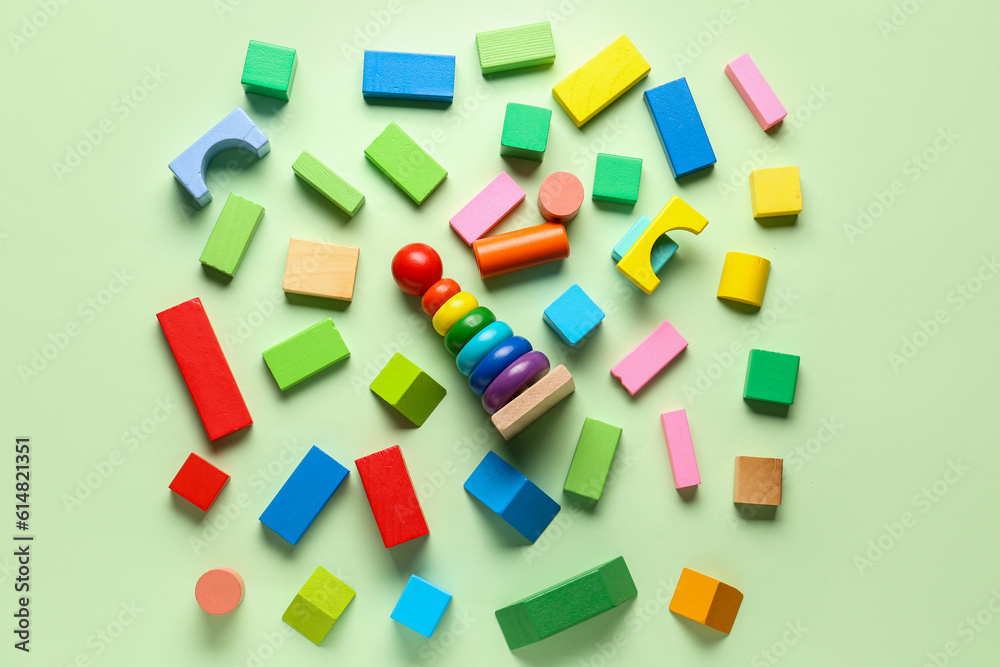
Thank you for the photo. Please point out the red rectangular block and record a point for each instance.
(391, 495)
(205, 369)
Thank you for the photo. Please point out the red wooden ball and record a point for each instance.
(437, 294)
(416, 267)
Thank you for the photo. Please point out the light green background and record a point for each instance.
(864, 103)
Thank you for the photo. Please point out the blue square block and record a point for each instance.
(419, 77)
(517, 500)
(303, 495)
(679, 127)
(573, 315)
(421, 605)
(663, 247)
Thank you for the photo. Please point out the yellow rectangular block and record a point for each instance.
(706, 600)
(775, 192)
(601, 80)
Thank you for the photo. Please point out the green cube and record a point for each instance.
(525, 131)
(269, 70)
(318, 605)
(616, 178)
(406, 164)
(329, 184)
(305, 354)
(231, 235)
(771, 377)
(592, 461)
(405, 387)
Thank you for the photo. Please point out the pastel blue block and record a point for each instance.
(421, 77)
(663, 247)
(303, 495)
(679, 127)
(495, 361)
(234, 131)
(530, 511)
(482, 344)
(421, 605)
(573, 315)
(517, 500)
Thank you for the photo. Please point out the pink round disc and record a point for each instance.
(219, 591)
(560, 197)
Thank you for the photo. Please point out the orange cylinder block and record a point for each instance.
(521, 249)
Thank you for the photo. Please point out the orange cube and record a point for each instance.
(706, 600)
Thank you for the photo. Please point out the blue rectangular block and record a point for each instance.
(517, 500)
(303, 495)
(663, 247)
(421, 605)
(531, 511)
(422, 77)
(679, 127)
(573, 315)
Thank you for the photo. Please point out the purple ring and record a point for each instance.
(521, 374)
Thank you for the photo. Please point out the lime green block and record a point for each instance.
(347, 197)
(592, 461)
(525, 131)
(405, 163)
(564, 605)
(306, 353)
(318, 605)
(771, 377)
(616, 178)
(513, 48)
(231, 235)
(269, 70)
(405, 387)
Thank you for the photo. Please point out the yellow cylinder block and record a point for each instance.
(744, 278)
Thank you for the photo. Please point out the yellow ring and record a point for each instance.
(452, 311)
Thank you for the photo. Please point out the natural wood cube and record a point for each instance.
(321, 269)
(758, 481)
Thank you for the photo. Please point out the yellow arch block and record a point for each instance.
(744, 278)
(677, 214)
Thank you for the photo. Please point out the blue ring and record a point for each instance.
(495, 361)
(482, 344)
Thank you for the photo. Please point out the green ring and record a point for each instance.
(462, 331)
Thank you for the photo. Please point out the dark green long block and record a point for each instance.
(564, 605)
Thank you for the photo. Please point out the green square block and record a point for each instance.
(405, 387)
(592, 461)
(771, 377)
(405, 163)
(306, 353)
(231, 235)
(269, 70)
(329, 184)
(318, 605)
(525, 131)
(616, 178)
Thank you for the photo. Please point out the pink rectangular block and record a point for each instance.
(755, 91)
(649, 357)
(487, 208)
(679, 447)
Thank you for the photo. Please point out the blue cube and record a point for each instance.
(421, 605)
(573, 315)
(663, 247)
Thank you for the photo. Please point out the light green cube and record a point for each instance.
(616, 178)
(592, 460)
(318, 605)
(269, 70)
(405, 163)
(405, 387)
(525, 131)
(231, 235)
(347, 197)
(306, 353)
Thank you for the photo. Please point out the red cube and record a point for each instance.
(199, 482)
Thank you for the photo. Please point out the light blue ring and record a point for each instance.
(482, 344)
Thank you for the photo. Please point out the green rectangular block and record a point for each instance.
(231, 235)
(269, 70)
(405, 387)
(405, 163)
(592, 461)
(771, 377)
(525, 131)
(318, 605)
(514, 48)
(564, 605)
(306, 353)
(616, 178)
(347, 197)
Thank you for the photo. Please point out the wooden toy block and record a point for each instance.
(677, 433)
(391, 496)
(534, 402)
(305, 354)
(405, 163)
(346, 197)
(325, 270)
(775, 192)
(562, 606)
(514, 497)
(199, 482)
(771, 377)
(560, 197)
(269, 70)
(487, 208)
(663, 247)
(306, 491)
(318, 605)
(592, 460)
(706, 600)
(417, 77)
(234, 131)
(635, 263)
(412, 392)
(231, 235)
(649, 357)
(525, 131)
(573, 315)
(421, 605)
(601, 80)
(513, 48)
(755, 91)
(679, 126)
(520, 249)
(219, 591)
(204, 369)
(744, 278)
(757, 481)
(616, 179)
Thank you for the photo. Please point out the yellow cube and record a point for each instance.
(775, 192)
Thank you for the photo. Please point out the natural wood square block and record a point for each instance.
(758, 481)
(321, 269)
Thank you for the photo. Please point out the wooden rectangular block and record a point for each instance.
(487, 208)
(305, 354)
(679, 126)
(419, 77)
(595, 450)
(514, 497)
(775, 192)
(303, 495)
(677, 433)
(319, 269)
(562, 606)
(513, 48)
(533, 402)
(405, 163)
(391, 496)
(706, 600)
(601, 80)
(758, 481)
(318, 605)
(326, 181)
(231, 235)
(204, 368)
(663, 247)
(755, 91)
(649, 357)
